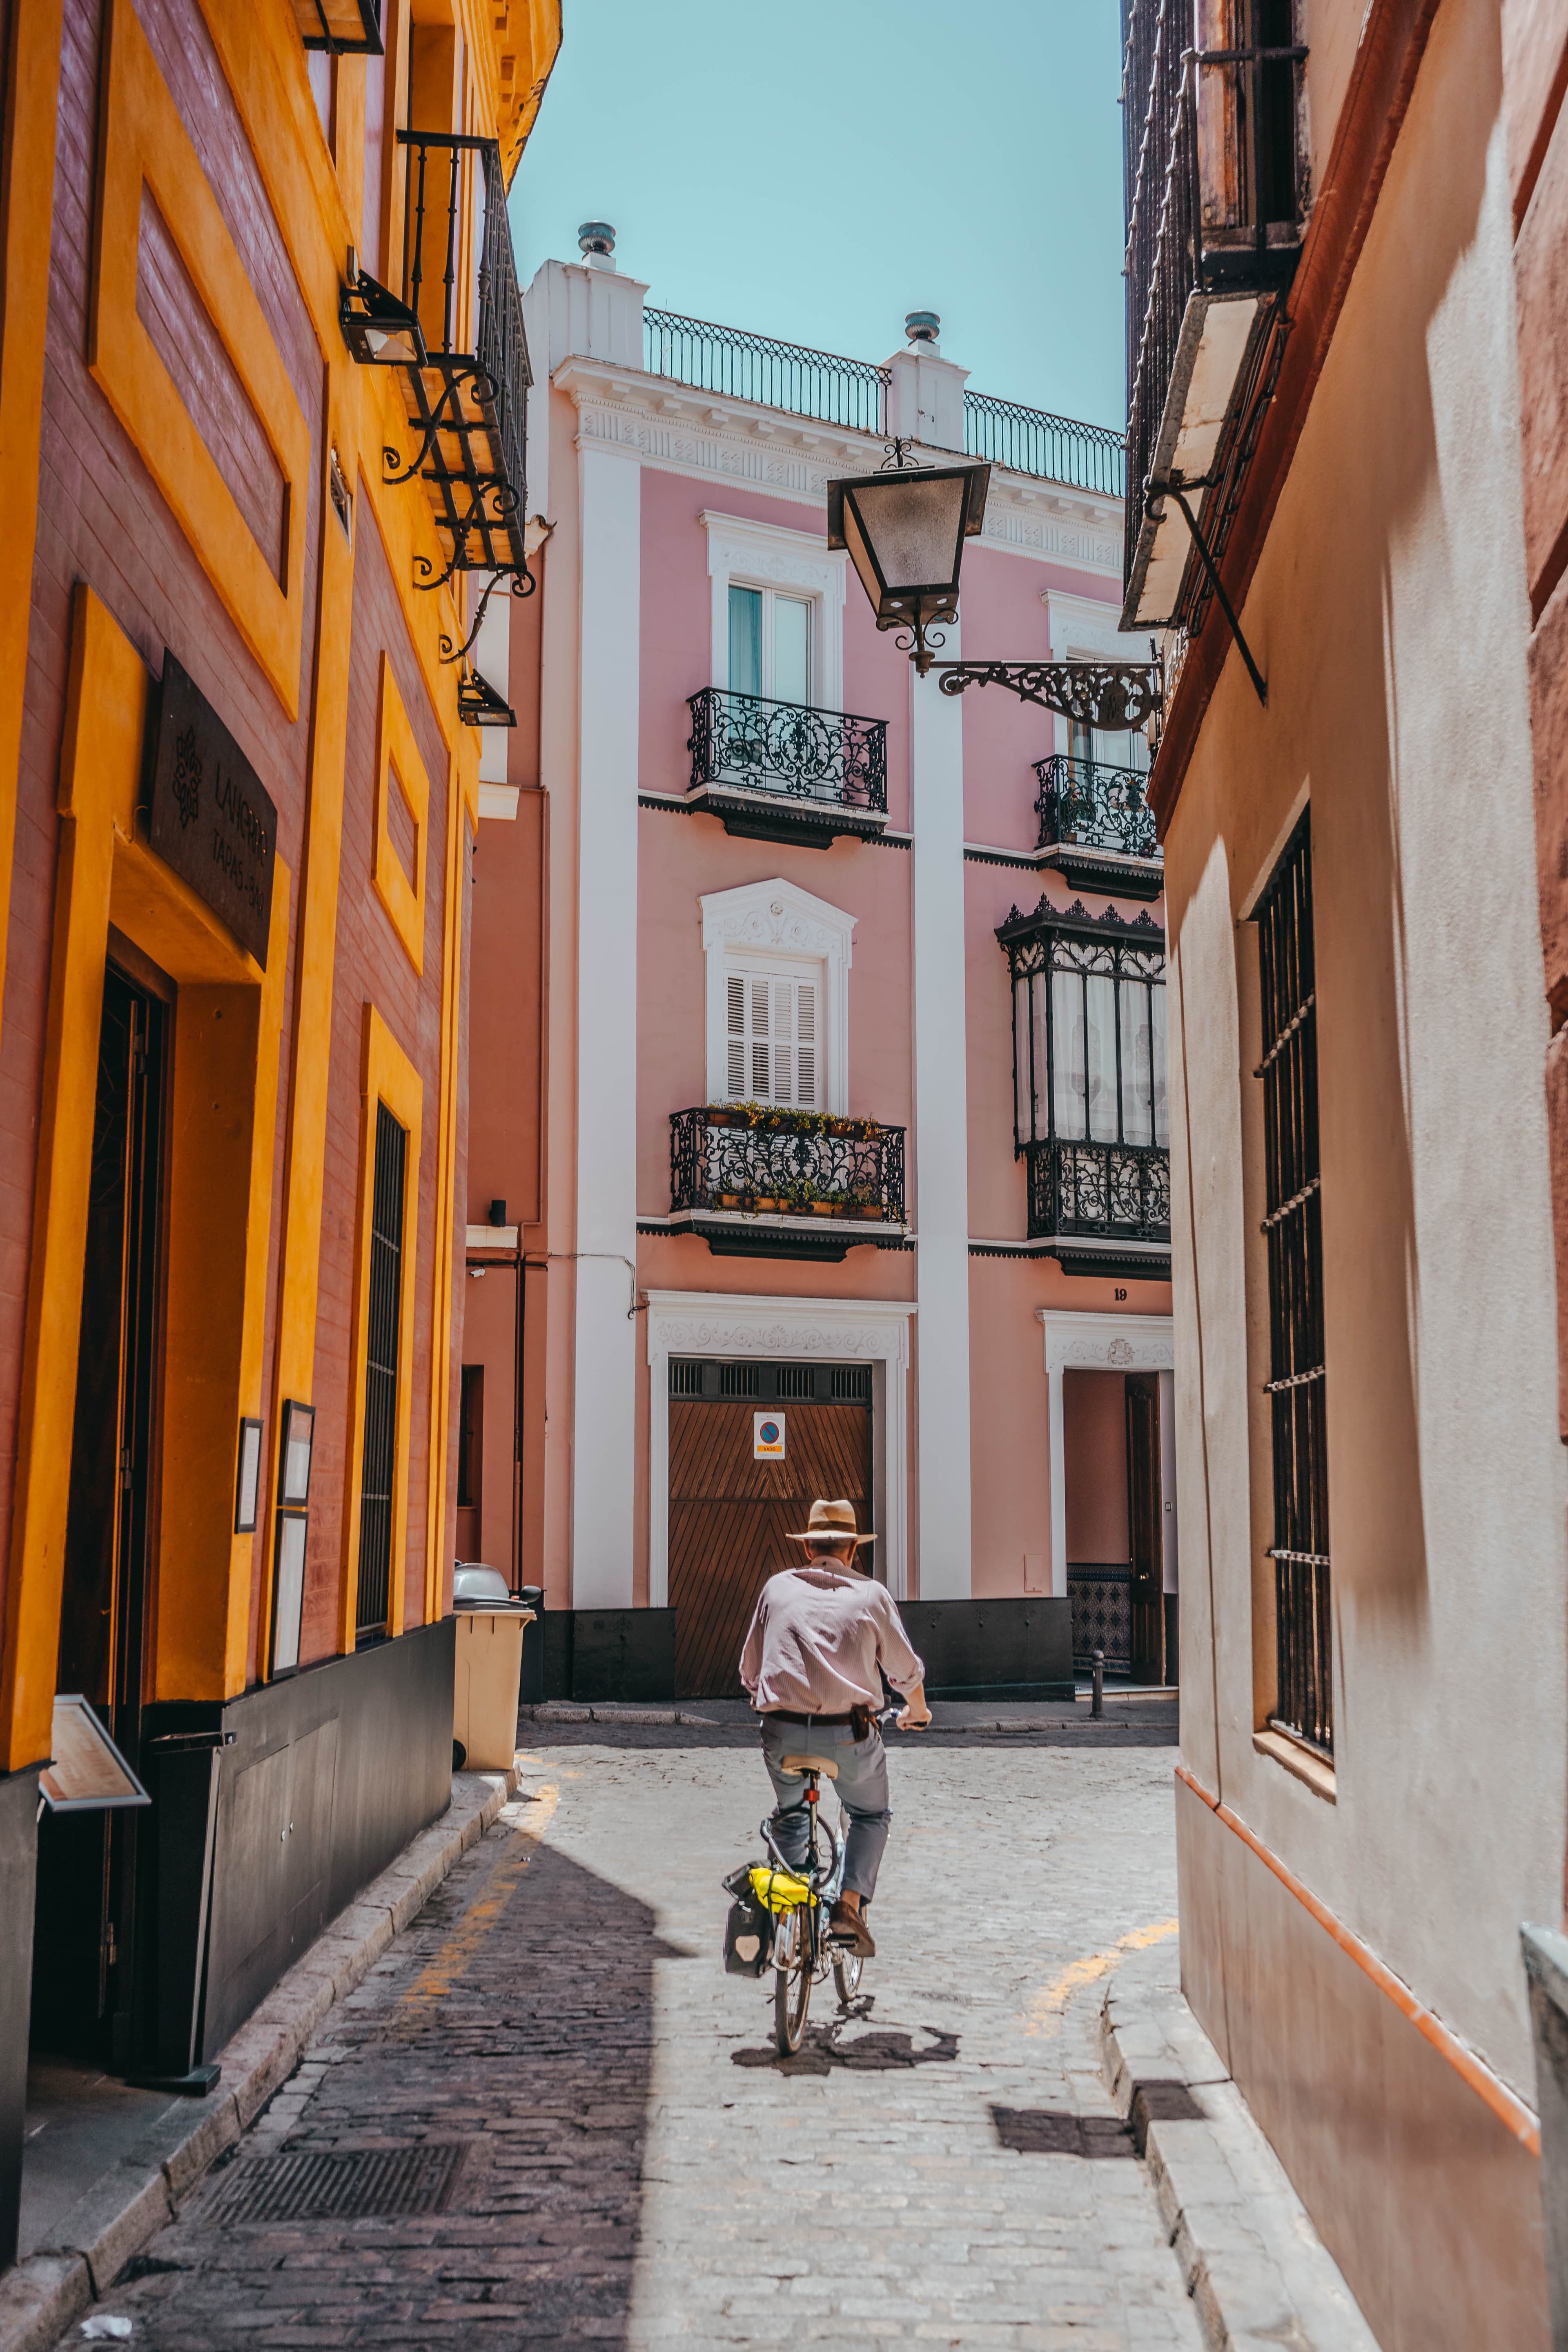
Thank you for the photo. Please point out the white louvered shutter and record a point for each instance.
(772, 1044)
(735, 1075)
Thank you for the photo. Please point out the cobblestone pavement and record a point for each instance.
(635, 2166)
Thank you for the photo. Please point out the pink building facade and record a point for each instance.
(917, 938)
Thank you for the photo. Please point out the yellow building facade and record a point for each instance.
(262, 397)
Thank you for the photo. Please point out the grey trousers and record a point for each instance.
(861, 1788)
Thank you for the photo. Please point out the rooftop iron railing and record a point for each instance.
(1054, 448)
(854, 394)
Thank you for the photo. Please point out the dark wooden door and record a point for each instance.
(84, 1934)
(1143, 1527)
(730, 1516)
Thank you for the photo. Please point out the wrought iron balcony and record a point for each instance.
(468, 403)
(755, 1182)
(1096, 822)
(784, 771)
(1215, 200)
(1090, 1087)
(1104, 1194)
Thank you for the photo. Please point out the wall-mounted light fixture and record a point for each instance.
(479, 704)
(904, 528)
(379, 330)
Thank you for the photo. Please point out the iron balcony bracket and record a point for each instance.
(1171, 490)
(1097, 694)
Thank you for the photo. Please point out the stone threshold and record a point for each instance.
(1258, 2271)
(49, 2290)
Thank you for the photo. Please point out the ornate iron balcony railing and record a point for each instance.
(749, 743)
(1093, 806)
(1033, 441)
(759, 368)
(1117, 1191)
(793, 1164)
(469, 403)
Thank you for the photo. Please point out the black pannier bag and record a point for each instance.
(749, 1930)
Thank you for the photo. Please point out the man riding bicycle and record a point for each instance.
(823, 1635)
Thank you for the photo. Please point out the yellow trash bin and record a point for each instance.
(490, 1628)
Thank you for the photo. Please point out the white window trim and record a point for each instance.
(842, 1331)
(792, 930)
(1083, 628)
(792, 562)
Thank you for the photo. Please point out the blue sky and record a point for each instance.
(814, 170)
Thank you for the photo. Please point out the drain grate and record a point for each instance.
(343, 2184)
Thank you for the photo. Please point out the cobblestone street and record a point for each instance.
(633, 2164)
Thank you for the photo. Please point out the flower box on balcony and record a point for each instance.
(755, 1181)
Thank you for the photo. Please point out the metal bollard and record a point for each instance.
(1096, 1704)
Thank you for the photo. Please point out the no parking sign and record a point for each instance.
(767, 1437)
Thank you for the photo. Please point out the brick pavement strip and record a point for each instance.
(109, 2226)
(945, 2166)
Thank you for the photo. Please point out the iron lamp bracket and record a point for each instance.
(1096, 694)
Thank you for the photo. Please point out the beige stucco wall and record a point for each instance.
(1389, 614)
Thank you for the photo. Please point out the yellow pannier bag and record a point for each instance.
(778, 1889)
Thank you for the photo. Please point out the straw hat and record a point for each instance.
(833, 1521)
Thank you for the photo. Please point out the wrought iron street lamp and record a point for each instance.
(904, 528)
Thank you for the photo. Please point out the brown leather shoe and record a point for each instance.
(847, 1926)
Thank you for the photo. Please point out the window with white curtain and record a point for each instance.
(769, 643)
(772, 1038)
(1090, 1047)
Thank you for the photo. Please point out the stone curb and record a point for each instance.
(43, 2295)
(1254, 2266)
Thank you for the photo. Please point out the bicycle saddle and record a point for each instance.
(823, 1764)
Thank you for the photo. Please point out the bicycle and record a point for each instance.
(804, 1949)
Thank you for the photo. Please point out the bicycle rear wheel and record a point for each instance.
(792, 1980)
(846, 1968)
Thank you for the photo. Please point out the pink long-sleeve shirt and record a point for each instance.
(818, 1637)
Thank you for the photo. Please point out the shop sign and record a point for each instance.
(767, 1437)
(210, 816)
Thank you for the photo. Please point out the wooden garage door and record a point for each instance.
(729, 1513)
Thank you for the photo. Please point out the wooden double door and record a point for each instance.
(730, 1512)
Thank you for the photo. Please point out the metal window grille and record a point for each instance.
(685, 1377)
(852, 1383)
(379, 1462)
(1293, 1228)
(739, 1380)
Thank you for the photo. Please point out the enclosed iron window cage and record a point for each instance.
(382, 1333)
(1217, 196)
(1090, 1108)
(1293, 1229)
(469, 401)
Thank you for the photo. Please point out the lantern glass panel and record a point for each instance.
(914, 523)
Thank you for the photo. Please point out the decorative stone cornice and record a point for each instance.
(654, 422)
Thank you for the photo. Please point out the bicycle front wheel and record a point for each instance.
(791, 1981)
